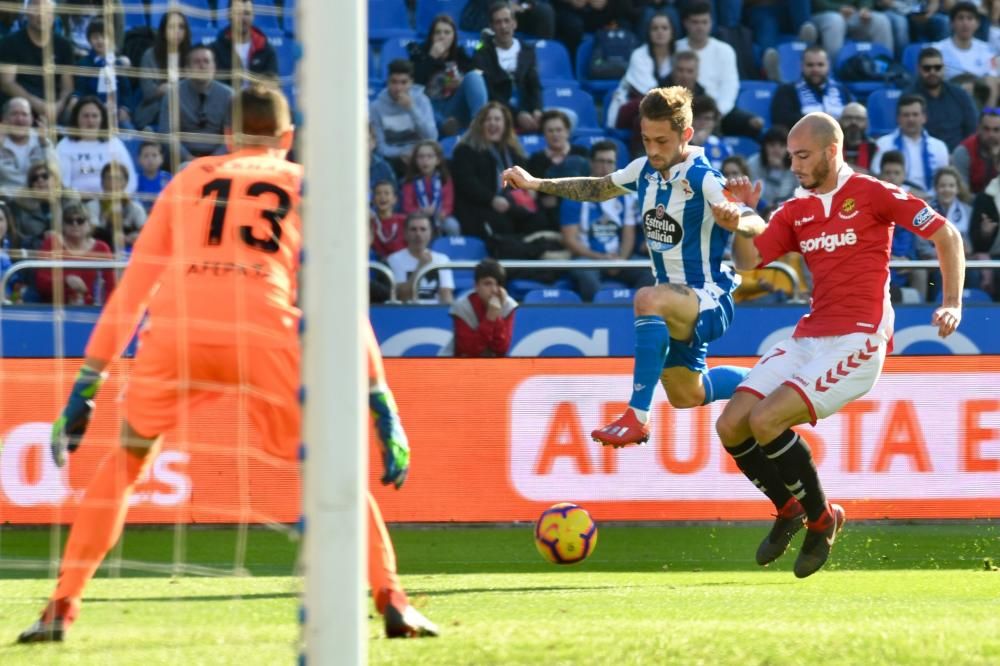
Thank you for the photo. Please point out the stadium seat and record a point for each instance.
(468, 41)
(741, 145)
(597, 87)
(976, 296)
(614, 296)
(755, 97)
(203, 31)
(518, 287)
(911, 54)
(554, 68)
(388, 19)
(882, 111)
(560, 296)
(428, 9)
(572, 99)
(394, 48)
(532, 142)
(289, 51)
(790, 60)
(448, 144)
(861, 88)
(461, 248)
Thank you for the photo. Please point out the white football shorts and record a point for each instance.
(827, 372)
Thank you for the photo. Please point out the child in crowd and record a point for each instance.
(388, 226)
(152, 177)
(116, 218)
(429, 189)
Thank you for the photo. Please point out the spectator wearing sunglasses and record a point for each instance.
(205, 107)
(951, 113)
(38, 207)
(963, 52)
(75, 241)
(978, 156)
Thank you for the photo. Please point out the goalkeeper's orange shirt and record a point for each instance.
(217, 260)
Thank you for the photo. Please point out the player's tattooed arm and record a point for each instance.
(581, 189)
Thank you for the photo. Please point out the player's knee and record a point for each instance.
(684, 398)
(763, 425)
(732, 428)
(647, 302)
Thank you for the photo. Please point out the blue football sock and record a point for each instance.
(721, 382)
(652, 341)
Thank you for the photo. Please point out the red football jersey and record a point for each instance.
(846, 237)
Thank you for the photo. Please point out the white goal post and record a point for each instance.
(334, 140)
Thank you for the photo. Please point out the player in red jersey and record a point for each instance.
(216, 269)
(842, 224)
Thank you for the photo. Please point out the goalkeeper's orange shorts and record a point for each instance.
(168, 382)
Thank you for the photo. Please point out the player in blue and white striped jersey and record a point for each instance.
(691, 303)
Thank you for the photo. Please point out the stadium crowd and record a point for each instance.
(456, 96)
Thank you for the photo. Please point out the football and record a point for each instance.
(565, 534)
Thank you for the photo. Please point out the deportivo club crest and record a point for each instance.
(661, 229)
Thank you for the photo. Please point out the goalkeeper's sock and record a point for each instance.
(652, 341)
(382, 575)
(762, 472)
(99, 521)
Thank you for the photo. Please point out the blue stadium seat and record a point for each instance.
(595, 86)
(518, 287)
(790, 60)
(911, 55)
(203, 31)
(614, 296)
(976, 296)
(288, 51)
(428, 9)
(554, 68)
(388, 19)
(461, 248)
(882, 111)
(394, 48)
(561, 296)
(741, 145)
(448, 144)
(375, 86)
(573, 99)
(468, 41)
(861, 88)
(587, 140)
(755, 97)
(532, 142)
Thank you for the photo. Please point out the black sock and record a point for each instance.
(793, 458)
(762, 472)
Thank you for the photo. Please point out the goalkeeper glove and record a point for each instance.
(69, 428)
(392, 440)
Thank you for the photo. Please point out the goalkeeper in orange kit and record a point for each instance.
(215, 267)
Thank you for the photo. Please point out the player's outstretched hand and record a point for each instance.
(69, 428)
(519, 179)
(394, 446)
(947, 320)
(742, 190)
(727, 215)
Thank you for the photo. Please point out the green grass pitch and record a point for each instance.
(892, 594)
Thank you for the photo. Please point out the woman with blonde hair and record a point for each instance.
(81, 286)
(482, 206)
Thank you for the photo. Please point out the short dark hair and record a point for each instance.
(696, 8)
(681, 56)
(263, 111)
(603, 145)
(739, 161)
(490, 268)
(929, 52)
(497, 6)
(558, 114)
(967, 7)
(198, 47)
(114, 166)
(380, 183)
(815, 48)
(401, 66)
(893, 157)
(96, 26)
(776, 134)
(147, 144)
(909, 99)
(419, 215)
(704, 104)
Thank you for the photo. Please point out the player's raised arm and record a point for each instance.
(951, 254)
(578, 189)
